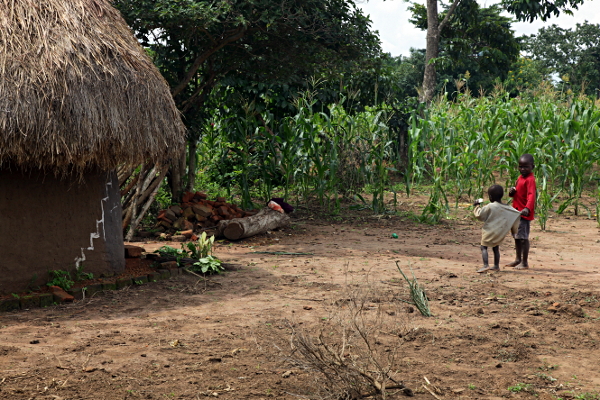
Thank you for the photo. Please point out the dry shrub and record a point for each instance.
(355, 351)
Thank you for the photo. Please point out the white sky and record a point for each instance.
(398, 35)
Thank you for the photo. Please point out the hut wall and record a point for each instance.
(55, 223)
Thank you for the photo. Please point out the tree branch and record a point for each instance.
(449, 14)
(236, 35)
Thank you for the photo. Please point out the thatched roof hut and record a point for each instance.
(78, 97)
(76, 89)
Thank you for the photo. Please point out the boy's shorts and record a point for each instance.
(523, 231)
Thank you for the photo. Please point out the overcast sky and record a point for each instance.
(398, 35)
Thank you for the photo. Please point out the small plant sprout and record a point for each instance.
(417, 294)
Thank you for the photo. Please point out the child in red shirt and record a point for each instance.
(523, 195)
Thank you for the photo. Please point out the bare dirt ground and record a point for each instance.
(491, 336)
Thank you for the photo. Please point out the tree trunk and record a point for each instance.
(265, 220)
(431, 51)
(192, 165)
(176, 173)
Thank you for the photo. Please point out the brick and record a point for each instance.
(203, 210)
(30, 301)
(152, 256)
(164, 273)
(153, 277)
(169, 265)
(180, 224)
(179, 238)
(164, 224)
(123, 283)
(177, 210)
(77, 293)
(109, 286)
(93, 289)
(60, 296)
(133, 251)
(188, 213)
(224, 211)
(221, 199)
(200, 196)
(170, 215)
(10, 304)
(140, 280)
(46, 299)
(187, 197)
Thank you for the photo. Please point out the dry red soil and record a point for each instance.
(230, 337)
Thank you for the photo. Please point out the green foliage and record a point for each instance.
(418, 296)
(529, 10)
(573, 54)
(521, 387)
(587, 396)
(465, 146)
(203, 248)
(201, 251)
(208, 265)
(168, 251)
(525, 75)
(212, 53)
(544, 203)
(327, 155)
(61, 279)
(478, 40)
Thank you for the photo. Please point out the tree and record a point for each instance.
(196, 44)
(478, 42)
(572, 54)
(523, 10)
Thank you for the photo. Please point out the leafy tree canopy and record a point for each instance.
(196, 43)
(477, 39)
(573, 54)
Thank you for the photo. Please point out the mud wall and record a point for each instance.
(49, 223)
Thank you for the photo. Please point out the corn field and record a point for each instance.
(455, 150)
(463, 147)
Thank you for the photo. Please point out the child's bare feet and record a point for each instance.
(514, 263)
(522, 266)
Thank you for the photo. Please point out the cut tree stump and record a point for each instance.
(261, 222)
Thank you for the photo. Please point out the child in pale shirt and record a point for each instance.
(498, 219)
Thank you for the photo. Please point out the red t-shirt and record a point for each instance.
(525, 195)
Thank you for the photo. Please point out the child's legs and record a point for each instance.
(525, 247)
(496, 250)
(484, 255)
(521, 243)
(519, 249)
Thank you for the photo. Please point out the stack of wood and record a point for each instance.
(138, 190)
(196, 213)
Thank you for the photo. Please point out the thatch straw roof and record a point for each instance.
(77, 90)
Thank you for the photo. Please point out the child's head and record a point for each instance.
(495, 193)
(526, 164)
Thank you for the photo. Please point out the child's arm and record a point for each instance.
(530, 204)
(481, 213)
(512, 191)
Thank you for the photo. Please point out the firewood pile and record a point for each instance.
(196, 213)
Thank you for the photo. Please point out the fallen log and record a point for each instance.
(261, 222)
